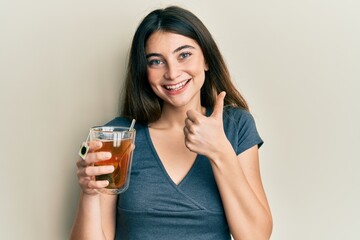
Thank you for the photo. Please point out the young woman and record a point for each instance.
(195, 171)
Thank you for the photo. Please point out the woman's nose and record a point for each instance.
(172, 71)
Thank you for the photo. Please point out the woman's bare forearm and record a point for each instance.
(89, 219)
(243, 197)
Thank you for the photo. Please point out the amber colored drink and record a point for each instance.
(121, 153)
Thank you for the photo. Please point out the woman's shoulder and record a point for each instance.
(238, 118)
(123, 122)
(119, 121)
(239, 124)
(237, 114)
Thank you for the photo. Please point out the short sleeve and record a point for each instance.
(241, 129)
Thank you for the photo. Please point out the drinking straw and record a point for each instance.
(117, 139)
(132, 125)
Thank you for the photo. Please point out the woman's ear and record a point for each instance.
(206, 67)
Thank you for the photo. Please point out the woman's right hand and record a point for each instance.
(87, 171)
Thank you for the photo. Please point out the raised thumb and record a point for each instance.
(219, 105)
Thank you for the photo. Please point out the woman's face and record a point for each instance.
(175, 68)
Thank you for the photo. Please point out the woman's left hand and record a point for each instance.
(205, 135)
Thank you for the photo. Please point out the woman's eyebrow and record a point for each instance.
(153, 55)
(175, 51)
(182, 47)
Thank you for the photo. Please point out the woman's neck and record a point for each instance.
(174, 117)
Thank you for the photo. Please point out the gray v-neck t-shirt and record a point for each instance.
(154, 207)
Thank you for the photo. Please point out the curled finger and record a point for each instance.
(186, 132)
(188, 122)
(92, 171)
(97, 184)
(97, 156)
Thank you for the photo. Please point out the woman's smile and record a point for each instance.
(175, 88)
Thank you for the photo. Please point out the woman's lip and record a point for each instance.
(174, 90)
(176, 86)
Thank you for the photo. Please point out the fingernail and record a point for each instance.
(107, 155)
(110, 168)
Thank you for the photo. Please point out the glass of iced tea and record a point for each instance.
(118, 141)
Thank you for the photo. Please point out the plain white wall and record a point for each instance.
(297, 63)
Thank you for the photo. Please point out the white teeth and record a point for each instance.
(176, 87)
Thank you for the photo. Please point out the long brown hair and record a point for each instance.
(140, 102)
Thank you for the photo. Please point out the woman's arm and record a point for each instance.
(244, 200)
(95, 218)
(237, 177)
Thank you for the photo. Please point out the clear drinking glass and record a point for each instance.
(118, 141)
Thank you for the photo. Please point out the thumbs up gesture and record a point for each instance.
(204, 135)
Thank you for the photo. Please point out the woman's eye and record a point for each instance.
(185, 55)
(154, 62)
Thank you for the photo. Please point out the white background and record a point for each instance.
(296, 62)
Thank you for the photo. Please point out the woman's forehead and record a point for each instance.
(161, 41)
